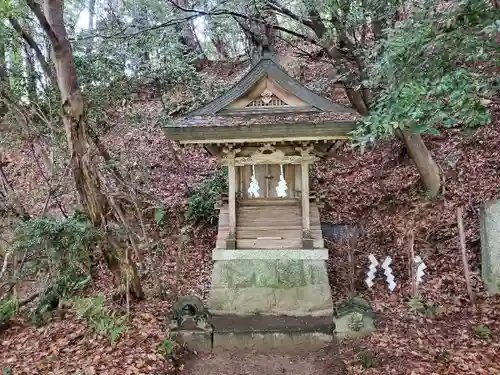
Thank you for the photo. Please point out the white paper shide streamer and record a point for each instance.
(388, 273)
(372, 270)
(253, 189)
(420, 267)
(282, 188)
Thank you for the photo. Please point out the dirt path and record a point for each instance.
(323, 362)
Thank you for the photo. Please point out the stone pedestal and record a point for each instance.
(293, 287)
(490, 245)
(279, 303)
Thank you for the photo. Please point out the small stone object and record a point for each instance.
(372, 270)
(356, 321)
(420, 267)
(189, 309)
(388, 273)
(354, 318)
(190, 321)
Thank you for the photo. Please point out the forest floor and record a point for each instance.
(378, 191)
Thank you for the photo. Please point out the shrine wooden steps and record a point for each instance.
(269, 224)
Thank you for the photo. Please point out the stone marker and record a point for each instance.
(354, 318)
(191, 321)
(490, 245)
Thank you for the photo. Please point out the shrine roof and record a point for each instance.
(265, 103)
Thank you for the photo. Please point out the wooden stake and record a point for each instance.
(413, 276)
(463, 249)
(350, 254)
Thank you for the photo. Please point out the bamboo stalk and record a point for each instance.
(463, 249)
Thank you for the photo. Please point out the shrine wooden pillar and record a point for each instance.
(231, 172)
(306, 226)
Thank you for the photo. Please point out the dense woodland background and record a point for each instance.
(104, 222)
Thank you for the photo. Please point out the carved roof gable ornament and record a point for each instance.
(266, 99)
(267, 96)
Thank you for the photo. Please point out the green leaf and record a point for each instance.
(159, 215)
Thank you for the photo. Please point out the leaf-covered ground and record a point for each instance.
(378, 191)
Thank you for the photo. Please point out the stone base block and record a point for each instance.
(344, 329)
(260, 333)
(195, 340)
(266, 342)
(273, 286)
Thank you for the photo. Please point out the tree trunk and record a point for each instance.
(217, 40)
(220, 47)
(187, 36)
(91, 14)
(84, 170)
(30, 73)
(4, 82)
(91, 10)
(258, 33)
(427, 167)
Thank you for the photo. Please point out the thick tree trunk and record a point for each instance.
(84, 170)
(427, 167)
(357, 100)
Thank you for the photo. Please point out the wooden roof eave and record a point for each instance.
(286, 131)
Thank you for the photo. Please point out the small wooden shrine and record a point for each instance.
(268, 130)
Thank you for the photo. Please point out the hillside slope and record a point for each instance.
(378, 191)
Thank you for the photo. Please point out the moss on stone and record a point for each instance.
(291, 273)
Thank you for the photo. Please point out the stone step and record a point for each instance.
(269, 223)
(268, 202)
(275, 225)
(268, 333)
(273, 232)
(268, 243)
(259, 334)
(276, 212)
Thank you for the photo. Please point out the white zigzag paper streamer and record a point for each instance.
(253, 189)
(420, 267)
(388, 273)
(282, 188)
(372, 270)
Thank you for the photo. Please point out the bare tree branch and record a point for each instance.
(274, 5)
(122, 34)
(44, 23)
(34, 46)
(220, 12)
